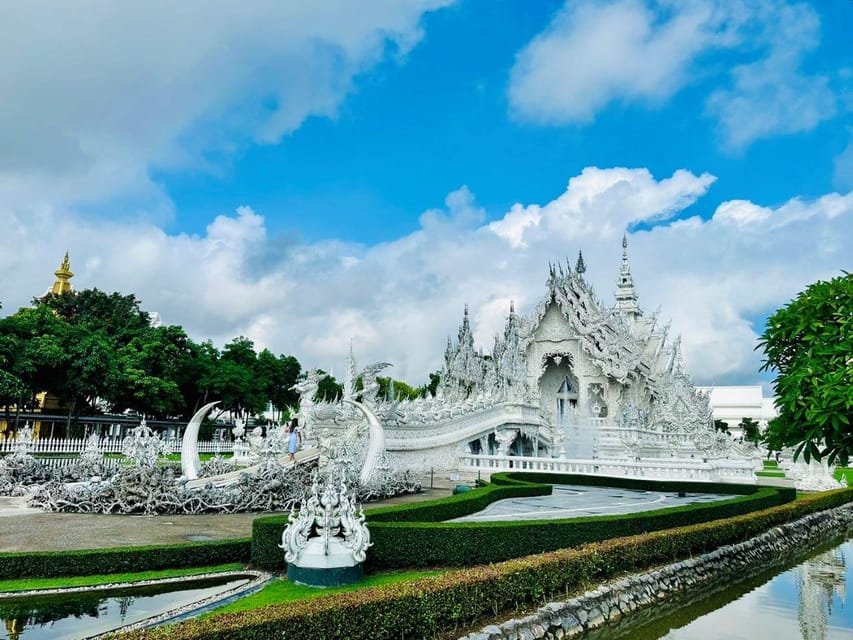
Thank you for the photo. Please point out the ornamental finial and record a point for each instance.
(580, 267)
(62, 284)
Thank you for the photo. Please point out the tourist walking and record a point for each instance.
(294, 439)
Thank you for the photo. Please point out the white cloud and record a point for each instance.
(399, 300)
(596, 53)
(593, 53)
(91, 100)
(772, 95)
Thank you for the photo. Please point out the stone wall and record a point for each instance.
(618, 600)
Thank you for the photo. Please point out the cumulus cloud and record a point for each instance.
(713, 275)
(772, 95)
(92, 100)
(596, 53)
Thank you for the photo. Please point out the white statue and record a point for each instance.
(144, 446)
(326, 542)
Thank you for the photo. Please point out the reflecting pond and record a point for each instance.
(86, 613)
(807, 601)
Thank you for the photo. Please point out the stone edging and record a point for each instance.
(259, 579)
(611, 602)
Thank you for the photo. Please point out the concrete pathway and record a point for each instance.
(574, 501)
(23, 528)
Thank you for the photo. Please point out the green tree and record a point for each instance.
(280, 374)
(329, 389)
(196, 376)
(150, 368)
(237, 380)
(33, 356)
(750, 429)
(430, 389)
(809, 344)
(721, 425)
(402, 390)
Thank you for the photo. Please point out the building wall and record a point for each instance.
(732, 404)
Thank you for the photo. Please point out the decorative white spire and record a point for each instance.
(580, 267)
(350, 375)
(626, 295)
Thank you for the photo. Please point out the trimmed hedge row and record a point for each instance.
(266, 532)
(426, 607)
(52, 564)
(502, 486)
(411, 535)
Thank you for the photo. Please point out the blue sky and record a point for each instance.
(415, 128)
(311, 174)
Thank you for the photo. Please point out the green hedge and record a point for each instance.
(266, 532)
(413, 535)
(430, 606)
(51, 564)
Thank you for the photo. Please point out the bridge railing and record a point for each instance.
(719, 470)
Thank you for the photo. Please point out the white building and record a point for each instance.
(733, 404)
(579, 385)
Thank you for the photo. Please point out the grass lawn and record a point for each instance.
(846, 472)
(110, 578)
(282, 590)
(771, 470)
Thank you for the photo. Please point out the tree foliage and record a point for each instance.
(94, 351)
(750, 429)
(809, 344)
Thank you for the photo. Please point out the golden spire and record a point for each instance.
(63, 277)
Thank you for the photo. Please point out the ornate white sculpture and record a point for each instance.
(190, 461)
(238, 429)
(814, 475)
(144, 446)
(592, 381)
(375, 446)
(23, 441)
(326, 541)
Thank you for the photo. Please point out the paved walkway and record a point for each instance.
(23, 528)
(574, 501)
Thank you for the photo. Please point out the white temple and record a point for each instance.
(579, 386)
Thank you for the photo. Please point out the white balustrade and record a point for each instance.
(105, 445)
(688, 470)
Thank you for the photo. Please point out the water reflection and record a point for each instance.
(820, 581)
(806, 601)
(87, 613)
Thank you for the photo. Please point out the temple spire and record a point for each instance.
(350, 375)
(626, 295)
(580, 267)
(62, 284)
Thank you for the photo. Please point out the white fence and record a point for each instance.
(105, 445)
(58, 463)
(710, 471)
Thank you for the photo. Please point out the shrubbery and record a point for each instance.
(50, 564)
(266, 532)
(413, 535)
(428, 606)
